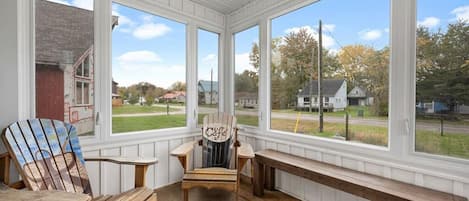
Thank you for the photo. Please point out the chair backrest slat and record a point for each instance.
(48, 155)
(218, 136)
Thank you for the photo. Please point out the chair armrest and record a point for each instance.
(183, 149)
(124, 160)
(245, 151)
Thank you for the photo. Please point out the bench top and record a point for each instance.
(350, 180)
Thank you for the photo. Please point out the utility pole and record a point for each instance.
(311, 82)
(320, 107)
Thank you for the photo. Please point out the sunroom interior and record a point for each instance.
(377, 87)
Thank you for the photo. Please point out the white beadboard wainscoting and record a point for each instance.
(108, 178)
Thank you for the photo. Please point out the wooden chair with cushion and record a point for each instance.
(48, 155)
(219, 143)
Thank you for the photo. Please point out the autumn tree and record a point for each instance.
(178, 86)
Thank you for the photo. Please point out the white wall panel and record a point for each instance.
(148, 150)
(93, 171)
(128, 171)
(162, 168)
(175, 169)
(110, 173)
(438, 183)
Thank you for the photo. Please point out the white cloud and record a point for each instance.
(327, 41)
(429, 22)
(462, 13)
(328, 27)
(386, 30)
(242, 62)
(368, 34)
(150, 30)
(142, 56)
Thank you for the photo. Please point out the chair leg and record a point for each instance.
(186, 194)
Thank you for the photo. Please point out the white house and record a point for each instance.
(359, 96)
(334, 95)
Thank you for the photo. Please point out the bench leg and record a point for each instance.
(186, 194)
(269, 182)
(258, 184)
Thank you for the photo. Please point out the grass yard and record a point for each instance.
(450, 144)
(129, 124)
(136, 109)
(352, 111)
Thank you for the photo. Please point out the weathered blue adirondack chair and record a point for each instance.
(48, 156)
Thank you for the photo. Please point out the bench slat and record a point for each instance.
(361, 184)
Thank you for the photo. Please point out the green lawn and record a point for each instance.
(352, 111)
(136, 109)
(128, 124)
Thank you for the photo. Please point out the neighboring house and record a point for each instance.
(246, 100)
(439, 107)
(208, 92)
(334, 94)
(65, 64)
(175, 96)
(359, 96)
(116, 98)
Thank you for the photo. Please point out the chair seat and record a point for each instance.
(209, 177)
(213, 170)
(137, 194)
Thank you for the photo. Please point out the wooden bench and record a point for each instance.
(357, 183)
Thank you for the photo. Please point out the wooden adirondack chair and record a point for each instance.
(219, 143)
(48, 155)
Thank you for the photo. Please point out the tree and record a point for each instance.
(442, 70)
(178, 86)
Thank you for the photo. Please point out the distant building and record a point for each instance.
(334, 94)
(175, 96)
(208, 92)
(116, 98)
(246, 100)
(359, 96)
(65, 64)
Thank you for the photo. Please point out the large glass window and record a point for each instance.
(65, 67)
(442, 78)
(352, 96)
(148, 70)
(246, 78)
(207, 69)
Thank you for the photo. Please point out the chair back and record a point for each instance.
(47, 154)
(219, 133)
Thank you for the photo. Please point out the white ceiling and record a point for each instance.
(223, 6)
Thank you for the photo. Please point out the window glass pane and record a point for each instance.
(353, 93)
(442, 78)
(148, 70)
(86, 93)
(86, 67)
(64, 32)
(79, 93)
(247, 76)
(207, 68)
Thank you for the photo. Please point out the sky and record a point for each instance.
(150, 48)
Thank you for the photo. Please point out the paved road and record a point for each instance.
(307, 117)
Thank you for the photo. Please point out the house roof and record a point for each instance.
(330, 87)
(205, 85)
(63, 33)
(362, 92)
(174, 94)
